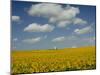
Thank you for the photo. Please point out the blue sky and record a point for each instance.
(48, 25)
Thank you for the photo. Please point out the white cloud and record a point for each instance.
(15, 39)
(68, 13)
(64, 23)
(79, 21)
(45, 9)
(34, 27)
(83, 30)
(59, 39)
(15, 18)
(55, 13)
(32, 40)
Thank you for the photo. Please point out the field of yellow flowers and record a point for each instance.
(67, 59)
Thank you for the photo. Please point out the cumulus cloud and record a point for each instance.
(32, 40)
(79, 21)
(59, 39)
(56, 13)
(45, 9)
(15, 18)
(34, 27)
(83, 30)
(64, 23)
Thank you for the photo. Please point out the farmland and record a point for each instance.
(66, 59)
